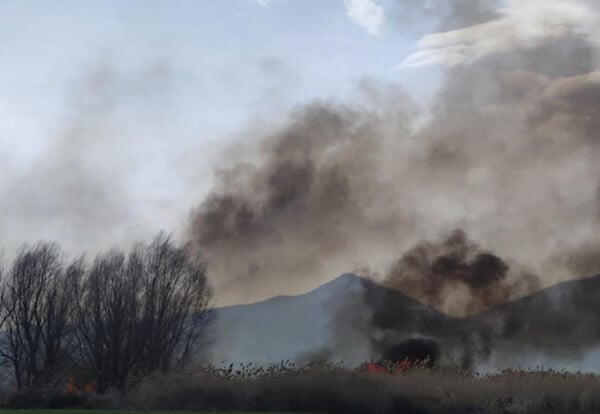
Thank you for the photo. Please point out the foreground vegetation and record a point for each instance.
(338, 390)
(326, 388)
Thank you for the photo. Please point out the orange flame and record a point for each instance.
(73, 388)
(396, 368)
(375, 368)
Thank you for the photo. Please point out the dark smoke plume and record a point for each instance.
(416, 350)
(434, 272)
(507, 152)
(310, 195)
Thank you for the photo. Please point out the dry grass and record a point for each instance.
(334, 389)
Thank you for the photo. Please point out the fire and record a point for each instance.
(73, 388)
(391, 368)
(375, 368)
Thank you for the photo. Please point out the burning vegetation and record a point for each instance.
(415, 351)
(410, 354)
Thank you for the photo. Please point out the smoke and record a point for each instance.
(506, 152)
(415, 350)
(435, 272)
(96, 176)
(309, 196)
(65, 193)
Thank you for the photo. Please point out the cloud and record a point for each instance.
(367, 14)
(263, 3)
(519, 26)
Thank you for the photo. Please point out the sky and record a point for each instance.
(120, 119)
(157, 89)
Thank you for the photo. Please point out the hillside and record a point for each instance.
(556, 327)
(355, 319)
(312, 324)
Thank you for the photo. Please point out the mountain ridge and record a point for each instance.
(343, 318)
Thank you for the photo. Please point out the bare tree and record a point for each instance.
(36, 309)
(106, 302)
(175, 300)
(123, 317)
(140, 313)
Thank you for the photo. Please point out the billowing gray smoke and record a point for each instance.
(507, 152)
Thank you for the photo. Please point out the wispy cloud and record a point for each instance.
(263, 3)
(520, 25)
(367, 14)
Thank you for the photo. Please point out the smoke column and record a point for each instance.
(460, 202)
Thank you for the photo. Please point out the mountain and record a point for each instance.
(286, 327)
(556, 327)
(278, 328)
(354, 319)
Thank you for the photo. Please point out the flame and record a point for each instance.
(70, 388)
(375, 368)
(395, 368)
(73, 388)
(403, 365)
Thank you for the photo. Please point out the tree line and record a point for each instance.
(122, 316)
